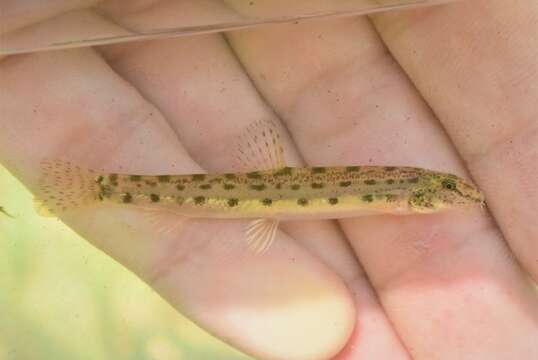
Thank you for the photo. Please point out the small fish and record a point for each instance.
(271, 194)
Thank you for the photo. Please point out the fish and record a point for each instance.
(272, 193)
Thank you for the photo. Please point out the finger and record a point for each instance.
(79, 104)
(484, 55)
(439, 277)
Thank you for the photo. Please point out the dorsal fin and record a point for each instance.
(259, 147)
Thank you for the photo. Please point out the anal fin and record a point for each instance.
(260, 234)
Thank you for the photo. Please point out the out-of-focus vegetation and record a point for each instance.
(60, 298)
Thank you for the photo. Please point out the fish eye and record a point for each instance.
(448, 184)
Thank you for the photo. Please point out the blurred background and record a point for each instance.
(61, 298)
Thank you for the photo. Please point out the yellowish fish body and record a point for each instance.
(278, 193)
(290, 193)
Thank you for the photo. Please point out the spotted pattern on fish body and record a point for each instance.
(163, 178)
(287, 193)
(198, 177)
(127, 198)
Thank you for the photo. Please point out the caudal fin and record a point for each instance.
(65, 186)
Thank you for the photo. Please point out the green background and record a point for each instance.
(60, 298)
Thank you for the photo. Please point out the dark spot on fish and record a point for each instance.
(230, 176)
(389, 181)
(150, 183)
(180, 187)
(233, 202)
(99, 179)
(390, 168)
(198, 177)
(318, 170)
(368, 198)
(198, 200)
(154, 198)
(295, 187)
(317, 185)
(370, 182)
(333, 201)
(228, 186)
(352, 168)
(113, 177)
(163, 178)
(267, 202)
(135, 178)
(284, 171)
(391, 197)
(254, 175)
(215, 180)
(413, 180)
(127, 198)
(278, 186)
(105, 191)
(302, 201)
(419, 198)
(258, 187)
(205, 186)
(345, 183)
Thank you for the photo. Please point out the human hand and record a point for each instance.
(439, 286)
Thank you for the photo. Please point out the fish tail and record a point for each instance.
(64, 186)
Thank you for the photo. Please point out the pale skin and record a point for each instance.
(444, 286)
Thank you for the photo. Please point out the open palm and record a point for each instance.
(451, 88)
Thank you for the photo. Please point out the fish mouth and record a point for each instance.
(474, 200)
(470, 194)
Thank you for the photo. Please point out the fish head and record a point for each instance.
(438, 191)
